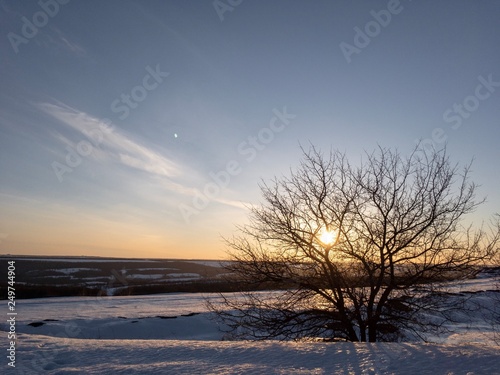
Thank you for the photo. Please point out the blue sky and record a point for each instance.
(115, 116)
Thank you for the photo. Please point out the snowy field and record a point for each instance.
(174, 334)
(72, 356)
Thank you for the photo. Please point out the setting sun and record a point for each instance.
(327, 237)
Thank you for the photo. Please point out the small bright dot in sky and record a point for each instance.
(175, 135)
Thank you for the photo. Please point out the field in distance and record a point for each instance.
(38, 276)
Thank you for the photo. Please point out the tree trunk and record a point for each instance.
(372, 332)
(362, 333)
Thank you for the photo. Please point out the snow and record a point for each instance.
(165, 327)
(156, 269)
(482, 282)
(89, 308)
(55, 277)
(68, 271)
(150, 276)
(73, 356)
(184, 276)
(174, 334)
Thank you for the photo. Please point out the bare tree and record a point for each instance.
(353, 252)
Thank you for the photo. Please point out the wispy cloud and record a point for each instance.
(114, 143)
(233, 203)
(55, 39)
(73, 47)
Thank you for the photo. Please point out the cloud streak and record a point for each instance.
(115, 145)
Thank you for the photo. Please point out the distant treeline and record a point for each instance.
(44, 291)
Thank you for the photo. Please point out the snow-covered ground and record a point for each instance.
(174, 334)
(68, 271)
(71, 356)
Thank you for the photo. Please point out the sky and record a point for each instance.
(143, 128)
